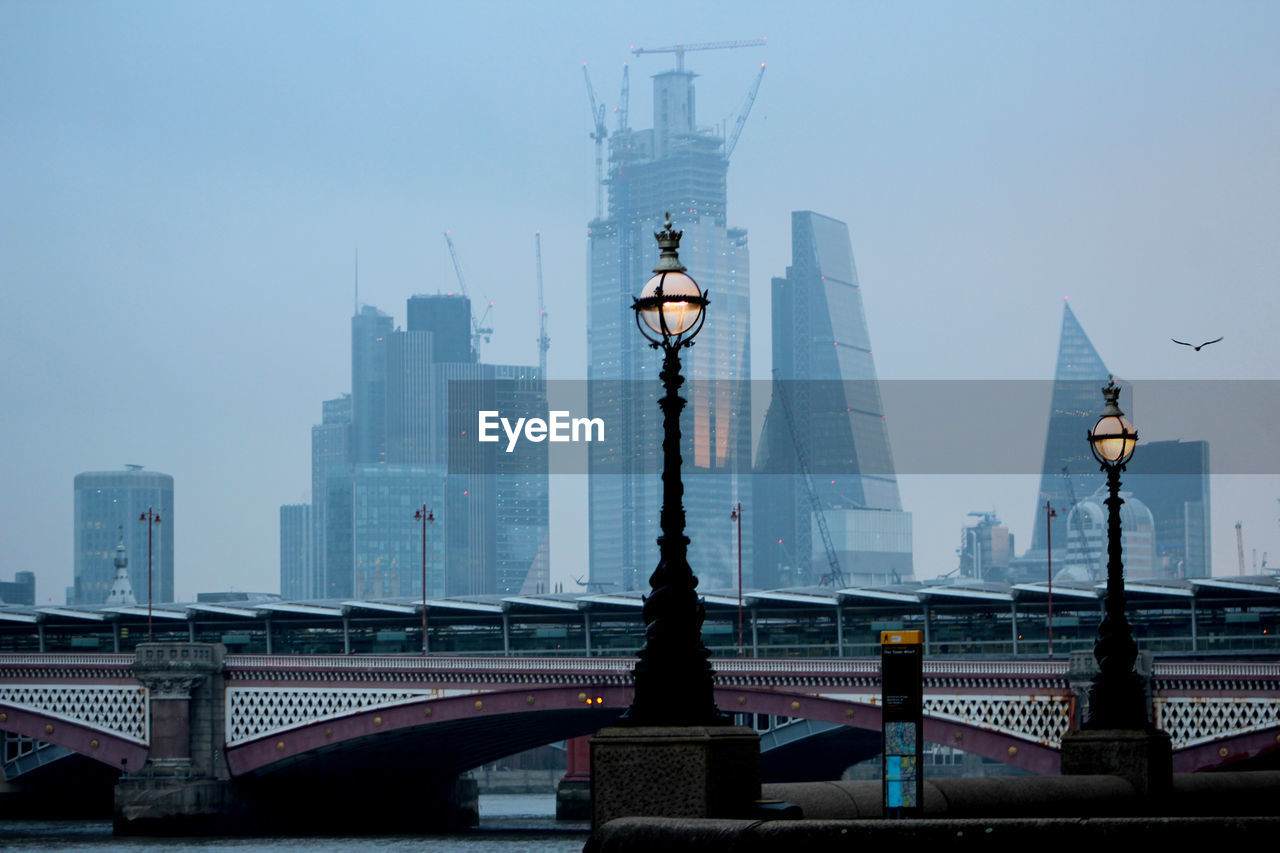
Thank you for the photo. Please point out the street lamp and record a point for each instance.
(152, 518)
(736, 515)
(424, 515)
(1117, 699)
(1049, 515)
(673, 685)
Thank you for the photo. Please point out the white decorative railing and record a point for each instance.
(1215, 669)
(57, 659)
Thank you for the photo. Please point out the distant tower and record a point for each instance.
(681, 168)
(392, 448)
(1172, 479)
(121, 593)
(1069, 468)
(823, 364)
(108, 503)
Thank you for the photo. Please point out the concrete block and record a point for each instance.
(1142, 758)
(695, 771)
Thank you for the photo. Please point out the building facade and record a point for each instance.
(1086, 552)
(824, 456)
(1069, 472)
(391, 447)
(680, 168)
(297, 550)
(1172, 479)
(108, 505)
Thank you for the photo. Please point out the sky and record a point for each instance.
(184, 188)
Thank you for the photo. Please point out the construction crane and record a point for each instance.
(478, 329)
(834, 576)
(732, 142)
(1084, 540)
(680, 49)
(601, 133)
(544, 342)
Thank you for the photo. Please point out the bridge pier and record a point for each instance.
(573, 793)
(185, 784)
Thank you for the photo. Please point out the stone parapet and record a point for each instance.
(694, 771)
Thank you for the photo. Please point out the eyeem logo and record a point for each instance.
(560, 427)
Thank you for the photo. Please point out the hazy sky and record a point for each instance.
(183, 187)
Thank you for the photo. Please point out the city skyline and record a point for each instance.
(191, 234)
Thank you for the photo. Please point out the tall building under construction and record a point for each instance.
(677, 167)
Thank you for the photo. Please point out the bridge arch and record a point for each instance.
(564, 712)
(99, 745)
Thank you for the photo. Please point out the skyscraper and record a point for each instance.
(680, 168)
(390, 447)
(1069, 473)
(825, 412)
(297, 549)
(1172, 479)
(107, 507)
(370, 329)
(330, 451)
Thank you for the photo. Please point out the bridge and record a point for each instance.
(181, 708)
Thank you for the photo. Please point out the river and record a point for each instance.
(509, 823)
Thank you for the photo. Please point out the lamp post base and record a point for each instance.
(674, 771)
(1142, 757)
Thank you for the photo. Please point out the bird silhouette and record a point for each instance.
(1193, 346)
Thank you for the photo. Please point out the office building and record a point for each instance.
(370, 329)
(677, 167)
(824, 456)
(373, 541)
(1172, 479)
(391, 447)
(297, 538)
(1069, 472)
(330, 451)
(108, 505)
(1086, 551)
(20, 590)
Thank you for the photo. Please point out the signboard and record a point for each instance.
(902, 705)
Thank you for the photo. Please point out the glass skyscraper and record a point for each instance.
(1069, 473)
(680, 168)
(825, 410)
(107, 507)
(391, 446)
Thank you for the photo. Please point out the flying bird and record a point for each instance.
(1193, 346)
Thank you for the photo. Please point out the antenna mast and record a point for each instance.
(544, 342)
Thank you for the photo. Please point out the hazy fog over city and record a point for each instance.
(184, 189)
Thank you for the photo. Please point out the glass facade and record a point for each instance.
(827, 410)
(390, 447)
(1070, 472)
(378, 554)
(108, 505)
(679, 168)
(297, 552)
(1172, 479)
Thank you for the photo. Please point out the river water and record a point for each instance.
(509, 823)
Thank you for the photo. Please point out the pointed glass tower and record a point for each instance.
(1069, 473)
(825, 415)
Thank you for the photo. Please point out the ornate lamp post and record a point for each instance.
(424, 515)
(1117, 699)
(673, 685)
